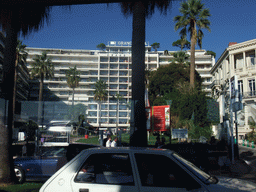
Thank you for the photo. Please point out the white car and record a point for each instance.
(130, 169)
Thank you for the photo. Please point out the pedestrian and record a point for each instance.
(114, 142)
(163, 140)
(108, 143)
(158, 142)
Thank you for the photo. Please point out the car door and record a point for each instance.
(160, 173)
(108, 172)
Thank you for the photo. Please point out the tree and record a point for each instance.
(21, 57)
(182, 44)
(140, 10)
(155, 46)
(194, 16)
(100, 95)
(119, 99)
(76, 111)
(14, 20)
(210, 53)
(169, 83)
(73, 78)
(180, 58)
(101, 46)
(42, 68)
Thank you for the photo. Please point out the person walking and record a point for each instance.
(108, 143)
(114, 143)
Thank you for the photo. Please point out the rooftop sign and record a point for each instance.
(122, 43)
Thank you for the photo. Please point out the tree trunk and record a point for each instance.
(192, 59)
(7, 175)
(117, 116)
(138, 118)
(41, 89)
(15, 85)
(73, 98)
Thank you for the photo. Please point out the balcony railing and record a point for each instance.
(251, 94)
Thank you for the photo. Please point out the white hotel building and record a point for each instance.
(114, 66)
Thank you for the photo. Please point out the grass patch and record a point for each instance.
(25, 187)
(125, 139)
(91, 140)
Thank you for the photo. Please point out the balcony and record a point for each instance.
(216, 83)
(248, 95)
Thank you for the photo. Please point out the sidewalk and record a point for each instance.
(243, 168)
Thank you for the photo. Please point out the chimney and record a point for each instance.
(232, 43)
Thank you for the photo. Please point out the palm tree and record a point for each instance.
(14, 20)
(42, 68)
(139, 10)
(181, 43)
(155, 46)
(73, 78)
(21, 57)
(193, 15)
(119, 99)
(100, 95)
(180, 57)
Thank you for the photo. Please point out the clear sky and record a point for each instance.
(86, 26)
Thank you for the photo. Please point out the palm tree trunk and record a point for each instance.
(192, 59)
(41, 87)
(117, 115)
(138, 119)
(73, 98)
(6, 160)
(101, 134)
(15, 84)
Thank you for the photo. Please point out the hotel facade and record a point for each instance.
(114, 66)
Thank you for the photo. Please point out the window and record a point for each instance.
(161, 171)
(251, 83)
(240, 87)
(239, 61)
(106, 169)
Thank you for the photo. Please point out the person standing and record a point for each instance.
(108, 143)
(114, 143)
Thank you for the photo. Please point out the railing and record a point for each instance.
(251, 94)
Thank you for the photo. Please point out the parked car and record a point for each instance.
(130, 169)
(47, 162)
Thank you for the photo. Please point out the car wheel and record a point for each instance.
(20, 174)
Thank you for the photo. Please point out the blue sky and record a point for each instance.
(85, 26)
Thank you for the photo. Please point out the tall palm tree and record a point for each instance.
(14, 20)
(140, 10)
(73, 78)
(119, 99)
(155, 46)
(21, 57)
(42, 68)
(194, 15)
(100, 95)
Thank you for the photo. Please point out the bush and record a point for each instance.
(197, 131)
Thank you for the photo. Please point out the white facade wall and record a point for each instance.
(239, 60)
(112, 66)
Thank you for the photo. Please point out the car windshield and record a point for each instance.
(54, 152)
(206, 178)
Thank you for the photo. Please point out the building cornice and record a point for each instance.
(219, 61)
(242, 45)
